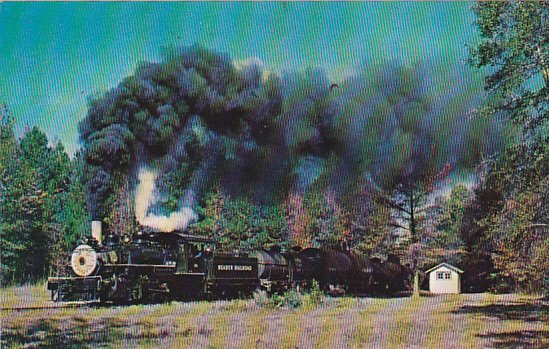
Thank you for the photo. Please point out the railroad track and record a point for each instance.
(53, 305)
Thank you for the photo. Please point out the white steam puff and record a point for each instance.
(145, 197)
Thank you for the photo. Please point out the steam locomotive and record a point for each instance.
(151, 266)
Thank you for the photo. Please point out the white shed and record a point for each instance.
(444, 278)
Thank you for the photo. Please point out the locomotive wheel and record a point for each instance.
(119, 292)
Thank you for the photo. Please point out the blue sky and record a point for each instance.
(54, 56)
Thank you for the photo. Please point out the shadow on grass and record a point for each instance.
(526, 312)
(86, 333)
(519, 339)
(529, 312)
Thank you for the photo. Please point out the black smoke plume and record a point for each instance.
(197, 118)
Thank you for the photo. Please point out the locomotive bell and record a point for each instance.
(84, 260)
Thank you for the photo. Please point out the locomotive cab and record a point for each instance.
(192, 256)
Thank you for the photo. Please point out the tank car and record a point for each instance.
(366, 274)
(274, 269)
(331, 268)
(392, 276)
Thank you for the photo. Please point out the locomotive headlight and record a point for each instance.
(84, 260)
(126, 239)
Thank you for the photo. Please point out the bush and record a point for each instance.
(261, 299)
(292, 299)
(313, 297)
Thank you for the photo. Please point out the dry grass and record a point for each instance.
(365, 326)
(458, 321)
(24, 296)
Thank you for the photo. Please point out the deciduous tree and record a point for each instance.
(513, 46)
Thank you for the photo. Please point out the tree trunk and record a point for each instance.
(415, 292)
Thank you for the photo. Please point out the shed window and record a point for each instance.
(443, 275)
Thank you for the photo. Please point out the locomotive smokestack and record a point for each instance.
(96, 230)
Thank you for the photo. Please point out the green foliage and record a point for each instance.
(74, 215)
(330, 221)
(293, 299)
(521, 239)
(317, 219)
(509, 216)
(368, 228)
(37, 218)
(369, 233)
(262, 299)
(25, 205)
(513, 46)
(448, 218)
(314, 296)
(269, 228)
(312, 219)
(290, 299)
(239, 223)
(503, 224)
(210, 211)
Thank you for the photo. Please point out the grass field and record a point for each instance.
(29, 320)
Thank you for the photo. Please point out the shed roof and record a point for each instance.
(451, 267)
